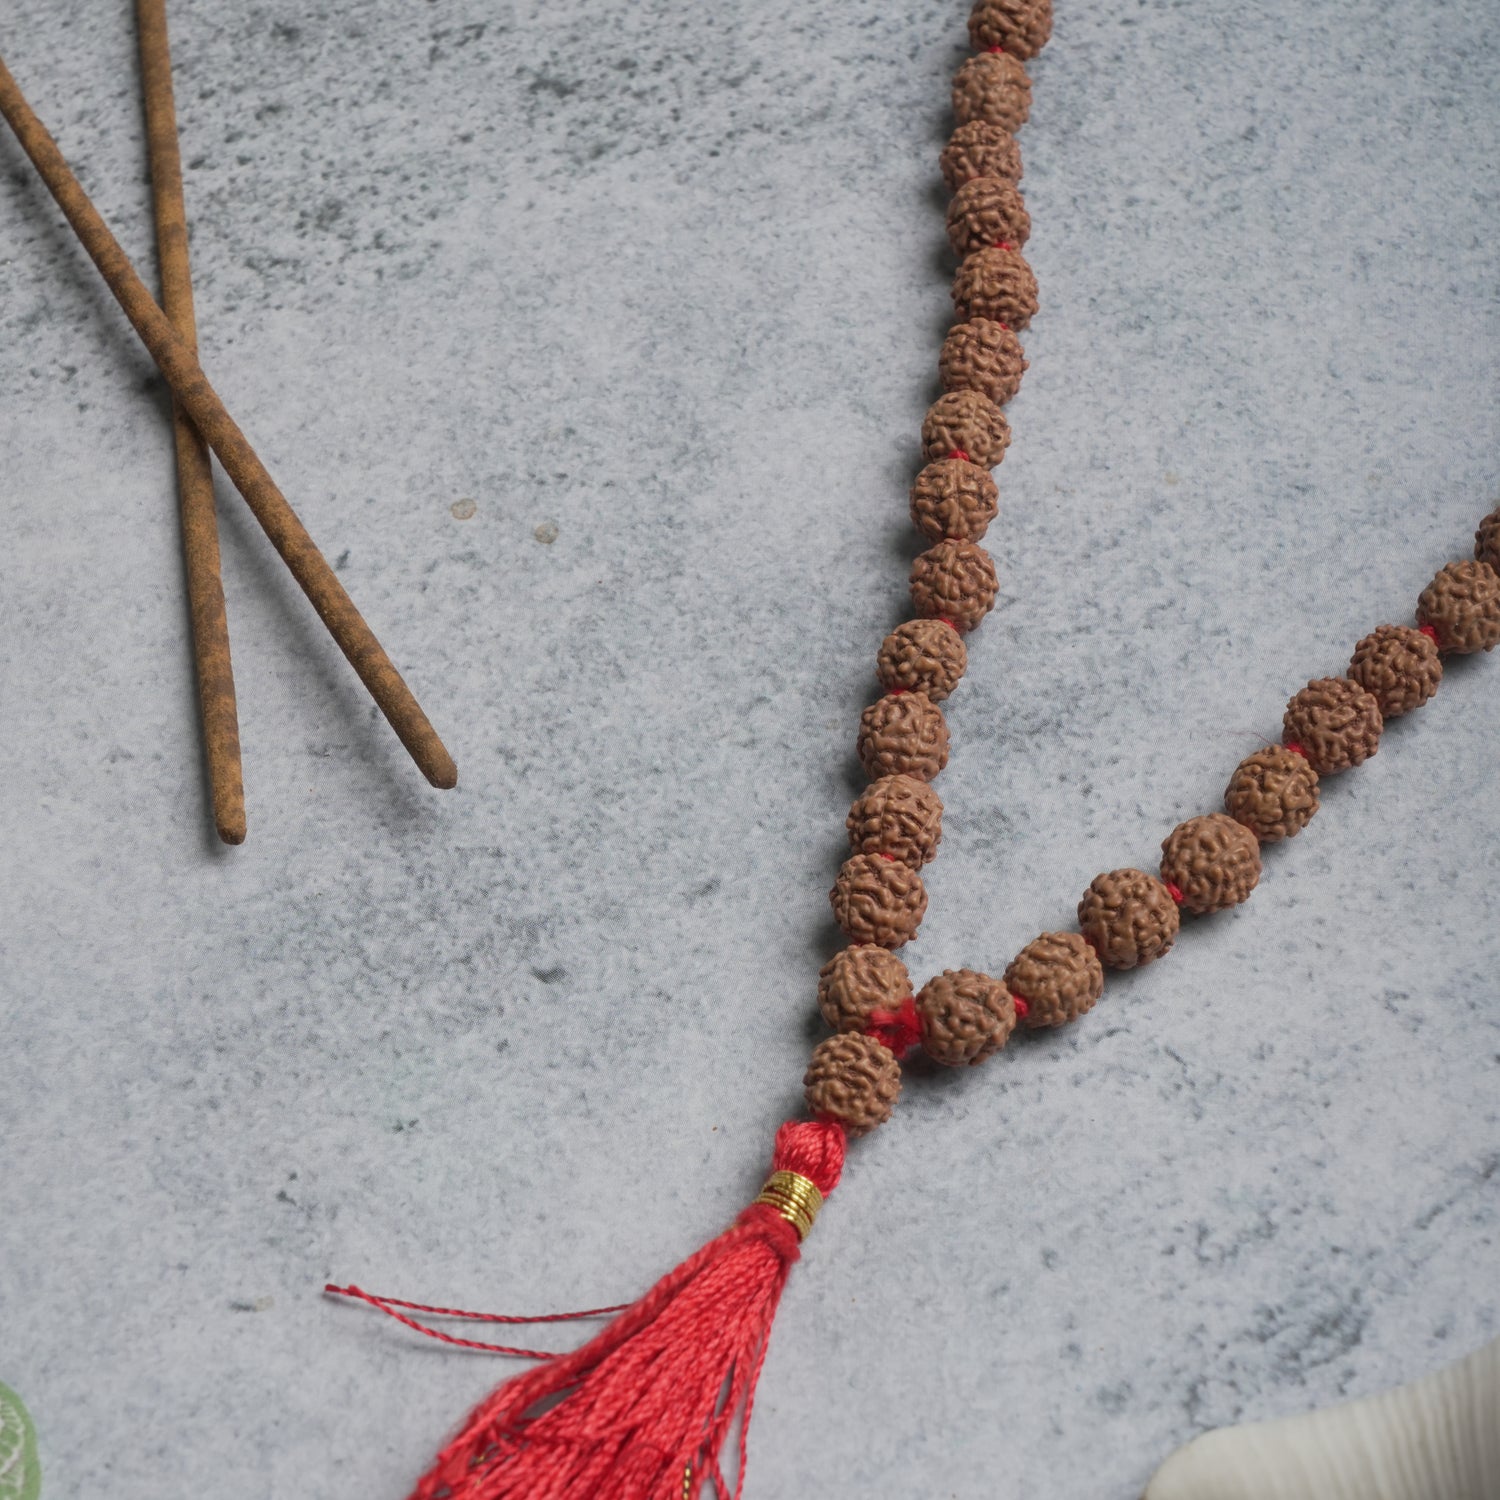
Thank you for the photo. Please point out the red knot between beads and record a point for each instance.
(1295, 748)
(1430, 632)
(1023, 1007)
(1175, 892)
(958, 455)
(897, 1030)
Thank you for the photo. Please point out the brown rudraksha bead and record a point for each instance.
(852, 1079)
(1058, 976)
(858, 981)
(954, 581)
(1021, 27)
(1397, 666)
(1334, 722)
(965, 422)
(952, 497)
(980, 149)
(965, 1016)
(903, 734)
(897, 815)
(987, 211)
(982, 356)
(1213, 861)
(1273, 793)
(992, 87)
(995, 284)
(922, 656)
(1487, 540)
(878, 900)
(1463, 605)
(1129, 918)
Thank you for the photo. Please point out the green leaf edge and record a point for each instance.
(31, 1463)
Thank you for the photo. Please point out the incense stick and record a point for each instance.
(184, 376)
(195, 485)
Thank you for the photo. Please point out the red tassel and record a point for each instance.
(643, 1409)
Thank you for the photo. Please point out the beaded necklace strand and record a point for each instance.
(643, 1409)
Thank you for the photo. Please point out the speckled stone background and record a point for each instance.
(652, 293)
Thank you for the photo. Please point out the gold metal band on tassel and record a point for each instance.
(795, 1197)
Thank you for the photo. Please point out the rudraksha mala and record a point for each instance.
(1209, 863)
(644, 1408)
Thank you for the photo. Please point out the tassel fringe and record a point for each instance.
(643, 1410)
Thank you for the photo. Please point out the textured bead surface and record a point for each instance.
(1129, 918)
(858, 981)
(984, 356)
(852, 1079)
(952, 497)
(903, 734)
(1335, 721)
(1022, 27)
(980, 149)
(1463, 605)
(1487, 540)
(1213, 861)
(992, 87)
(880, 901)
(1397, 666)
(987, 211)
(1273, 793)
(995, 284)
(966, 422)
(954, 581)
(922, 656)
(1058, 976)
(897, 815)
(966, 1016)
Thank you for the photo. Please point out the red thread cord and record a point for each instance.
(1295, 748)
(1430, 633)
(1023, 1006)
(900, 1030)
(1175, 892)
(994, 49)
(959, 455)
(895, 692)
(952, 625)
(1004, 245)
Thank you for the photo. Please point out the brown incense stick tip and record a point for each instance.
(439, 768)
(231, 829)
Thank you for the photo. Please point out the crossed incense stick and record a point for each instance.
(201, 422)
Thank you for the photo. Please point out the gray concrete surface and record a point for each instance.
(668, 281)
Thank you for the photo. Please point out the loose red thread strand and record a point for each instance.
(388, 1306)
(1175, 892)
